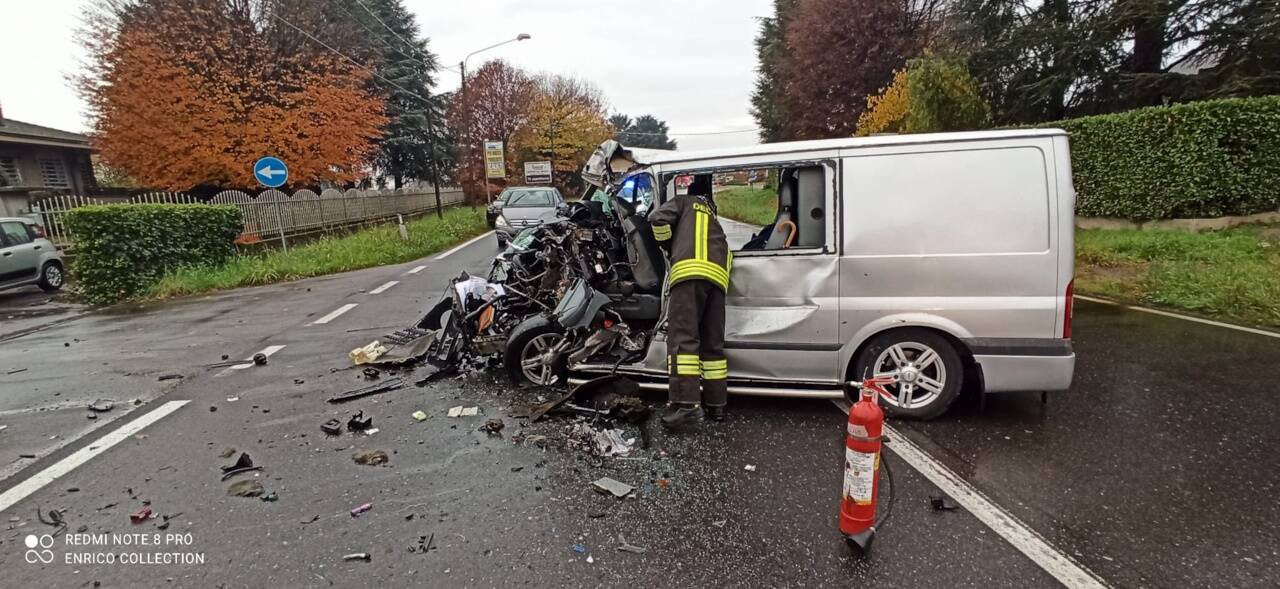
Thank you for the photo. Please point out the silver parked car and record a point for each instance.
(523, 207)
(940, 259)
(26, 257)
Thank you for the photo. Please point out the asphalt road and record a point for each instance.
(1156, 470)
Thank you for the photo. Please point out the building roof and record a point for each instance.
(846, 143)
(12, 131)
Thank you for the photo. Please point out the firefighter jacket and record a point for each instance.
(697, 243)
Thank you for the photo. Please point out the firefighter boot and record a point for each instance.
(714, 412)
(681, 414)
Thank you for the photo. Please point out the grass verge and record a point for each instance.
(758, 206)
(376, 246)
(1232, 274)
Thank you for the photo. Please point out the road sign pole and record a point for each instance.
(280, 222)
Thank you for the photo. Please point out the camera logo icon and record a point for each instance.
(44, 542)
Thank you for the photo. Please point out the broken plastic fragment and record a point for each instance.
(359, 509)
(461, 411)
(419, 415)
(749, 468)
(365, 556)
(141, 515)
(367, 353)
(609, 486)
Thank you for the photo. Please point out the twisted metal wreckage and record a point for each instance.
(587, 286)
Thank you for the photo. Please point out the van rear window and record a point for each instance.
(984, 201)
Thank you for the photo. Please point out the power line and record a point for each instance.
(411, 46)
(353, 61)
(381, 40)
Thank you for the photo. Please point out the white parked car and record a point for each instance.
(26, 257)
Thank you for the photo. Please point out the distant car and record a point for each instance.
(495, 208)
(26, 257)
(524, 207)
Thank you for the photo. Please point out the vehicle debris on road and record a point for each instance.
(365, 556)
(493, 427)
(242, 465)
(461, 411)
(360, 509)
(420, 415)
(359, 423)
(102, 405)
(602, 443)
(373, 389)
(367, 353)
(164, 377)
(609, 486)
(141, 515)
(624, 546)
(370, 457)
(332, 427)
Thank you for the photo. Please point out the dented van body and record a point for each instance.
(944, 260)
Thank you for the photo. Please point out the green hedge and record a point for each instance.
(1201, 159)
(121, 250)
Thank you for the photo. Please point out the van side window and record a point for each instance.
(768, 209)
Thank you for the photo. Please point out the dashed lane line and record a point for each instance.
(1026, 540)
(335, 314)
(39, 480)
(1179, 316)
(384, 287)
(464, 245)
(416, 269)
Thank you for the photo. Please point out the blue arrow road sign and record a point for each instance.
(271, 172)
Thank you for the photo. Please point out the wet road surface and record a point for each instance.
(1158, 427)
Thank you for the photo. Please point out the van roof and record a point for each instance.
(846, 143)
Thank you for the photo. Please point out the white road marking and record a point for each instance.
(335, 314)
(384, 287)
(416, 269)
(469, 242)
(39, 480)
(1030, 543)
(267, 351)
(1183, 317)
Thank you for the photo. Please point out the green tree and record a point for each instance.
(644, 131)
(415, 136)
(771, 55)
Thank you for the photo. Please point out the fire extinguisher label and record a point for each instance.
(859, 476)
(858, 430)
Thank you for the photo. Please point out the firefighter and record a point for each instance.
(700, 260)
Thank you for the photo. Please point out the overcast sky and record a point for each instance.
(690, 63)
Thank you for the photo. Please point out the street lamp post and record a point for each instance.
(466, 106)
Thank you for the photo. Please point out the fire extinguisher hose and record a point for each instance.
(893, 491)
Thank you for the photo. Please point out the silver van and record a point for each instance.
(943, 259)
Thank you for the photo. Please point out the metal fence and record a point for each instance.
(272, 213)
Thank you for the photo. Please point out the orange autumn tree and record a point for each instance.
(187, 93)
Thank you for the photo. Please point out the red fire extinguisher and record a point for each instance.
(862, 464)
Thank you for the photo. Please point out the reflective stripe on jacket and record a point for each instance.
(698, 248)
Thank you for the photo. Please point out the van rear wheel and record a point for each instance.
(927, 366)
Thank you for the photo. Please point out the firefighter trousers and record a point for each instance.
(695, 344)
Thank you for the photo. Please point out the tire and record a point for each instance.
(52, 277)
(523, 344)
(933, 371)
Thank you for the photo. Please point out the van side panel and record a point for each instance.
(959, 236)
